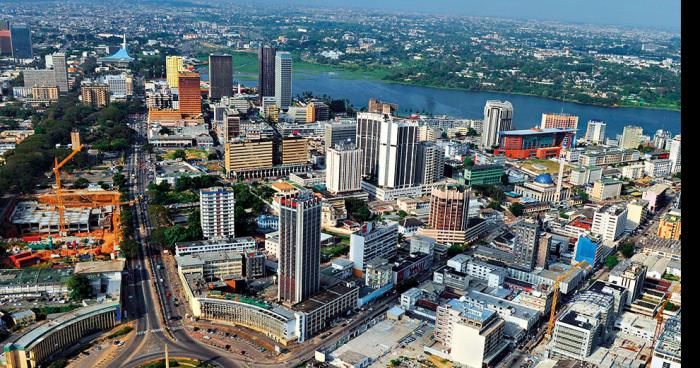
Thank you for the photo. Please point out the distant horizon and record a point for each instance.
(639, 14)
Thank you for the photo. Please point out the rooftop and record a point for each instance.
(100, 266)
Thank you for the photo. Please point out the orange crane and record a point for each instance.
(555, 297)
(660, 321)
(59, 199)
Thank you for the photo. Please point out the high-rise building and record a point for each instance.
(39, 78)
(294, 150)
(525, 244)
(217, 207)
(662, 139)
(61, 71)
(342, 132)
(173, 66)
(449, 214)
(675, 155)
(498, 116)
(5, 42)
(565, 121)
(95, 94)
(283, 80)
(189, 93)
(375, 240)
(266, 74)
(430, 165)
(609, 222)
(342, 164)
(21, 37)
(300, 247)
(220, 76)
(397, 154)
(595, 132)
(631, 137)
(45, 94)
(120, 85)
(241, 155)
(369, 125)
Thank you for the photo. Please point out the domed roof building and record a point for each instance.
(542, 189)
(545, 178)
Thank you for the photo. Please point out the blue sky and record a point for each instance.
(658, 14)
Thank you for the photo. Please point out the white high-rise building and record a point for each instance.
(609, 222)
(631, 137)
(283, 80)
(675, 155)
(343, 168)
(217, 207)
(595, 132)
(397, 154)
(661, 137)
(498, 116)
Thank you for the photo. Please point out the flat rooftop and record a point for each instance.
(35, 276)
(100, 266)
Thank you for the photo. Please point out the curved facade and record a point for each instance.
(277, 323)
(56, 336)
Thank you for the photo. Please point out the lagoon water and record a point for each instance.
(527, 110)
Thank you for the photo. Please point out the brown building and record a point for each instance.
(447, 219)
(240, 155)
(189, 93)
(294, 150)
(45, 93)
(565, 121)
(95, 94)
(379, 107)
(5, 42)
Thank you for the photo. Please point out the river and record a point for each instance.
(527, 110)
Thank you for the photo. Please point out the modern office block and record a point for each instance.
(397, 154)
(173, 67)
(342, 169)
(498, 116)
(525, 243)
(266, 73)
(369, 126)
(189, 93)
(283, 80)
(220, 76)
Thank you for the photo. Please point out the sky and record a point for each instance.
(654, 14)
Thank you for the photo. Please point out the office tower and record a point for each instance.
(448, 216)
(498, 116)
(375, 240)
(430, 162)
(189, 93)
(283, 80)
(342, 168)
(397, 154)
(173, 66)
(675, 155)
(39, 78)
(300, 247)
(609, 222)
(525, 242)
(121, 85)
(61, 71)
(379, 107)
(220, 76)
(94, 94)
(244, 155)
(472, 333)
(565, 121)
(217, 207)
(294, 150)
(631, 137)
(595, 132)
(368, 127)
(266, 74)
(343, 132)
(317, 111)
(5, 42)
(21, 37)
(662, 139)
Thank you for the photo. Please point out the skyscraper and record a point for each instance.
(5, 42)
(283, 80)
(565, 121)
(525, 242)
(21, 37)
(595, 132)
(430, 162)
(498, 116)
(300, 247)
(675, 155)
(266, 73)
(448, 217)
(631, 137)
(397, 154)
(342, 164)
(368, 127)
(61, 71)
(189, 93)
(173, 66)
(217, 207)
(220, 76)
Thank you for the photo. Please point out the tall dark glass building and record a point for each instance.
(220, 76)
(266, 76)
(21, 41)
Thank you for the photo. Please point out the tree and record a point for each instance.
(81, 183)
(357, 209)
(516, 209)
(454, 250)
(611, 261)
(79, 287)
(180, 153)
(627, 249)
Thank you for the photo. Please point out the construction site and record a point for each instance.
(66, 223)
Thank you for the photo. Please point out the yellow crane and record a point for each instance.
(555, 297)
(59, 198)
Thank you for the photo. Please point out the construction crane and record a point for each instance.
(555, 297)
(659, 317)
(59, 198)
